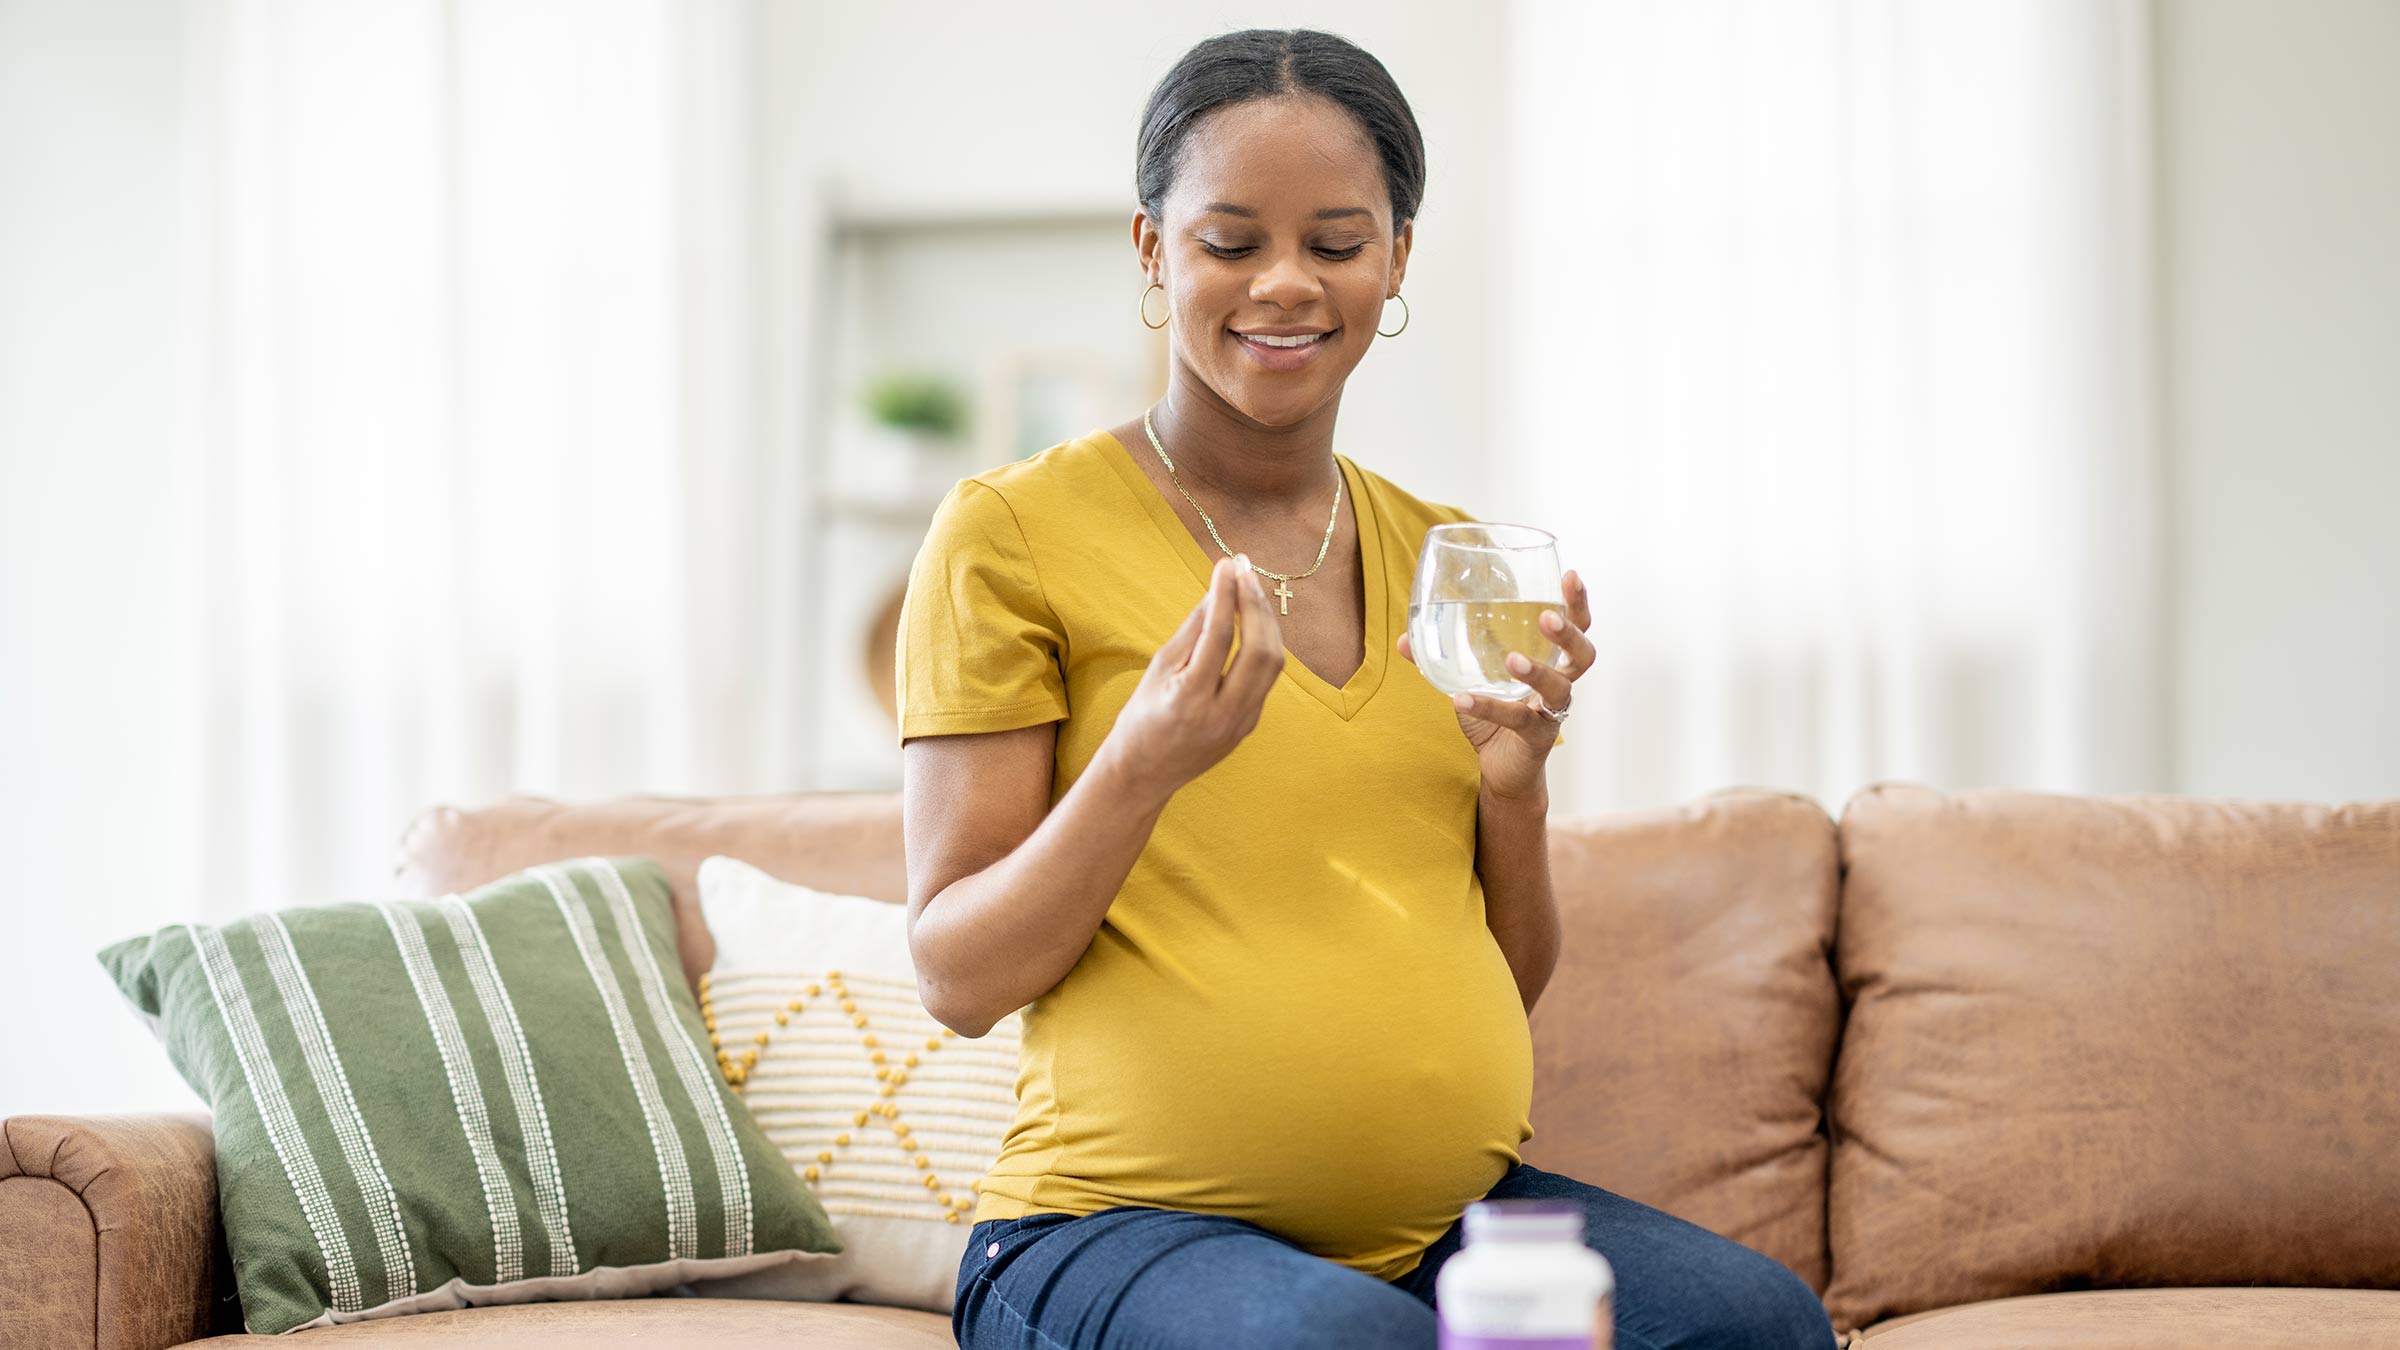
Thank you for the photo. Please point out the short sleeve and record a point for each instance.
(980, 648)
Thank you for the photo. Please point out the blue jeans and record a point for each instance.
(1135, 1278)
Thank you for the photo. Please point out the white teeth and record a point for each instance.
(1300, 341)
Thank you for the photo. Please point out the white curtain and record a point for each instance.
(1830, 355)
(475, 500)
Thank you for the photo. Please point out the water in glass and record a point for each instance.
(1479, 593)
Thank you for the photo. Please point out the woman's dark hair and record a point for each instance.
(1266, 63)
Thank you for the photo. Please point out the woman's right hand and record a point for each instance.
(1190, 708)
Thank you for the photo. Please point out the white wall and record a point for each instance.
(2281, 221)
(88, 105)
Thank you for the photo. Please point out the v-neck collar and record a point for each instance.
(1350, 697)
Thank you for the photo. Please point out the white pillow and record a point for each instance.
(893, 1160)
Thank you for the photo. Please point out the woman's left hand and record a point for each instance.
(1513, 737)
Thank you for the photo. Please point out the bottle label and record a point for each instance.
(1604, 1335)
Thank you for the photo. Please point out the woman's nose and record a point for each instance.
(1285, 283)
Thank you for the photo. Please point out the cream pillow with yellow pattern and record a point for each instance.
(888, 1116)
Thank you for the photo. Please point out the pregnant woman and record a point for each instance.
(1275, 909)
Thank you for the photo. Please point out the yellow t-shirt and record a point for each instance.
(1294, 1012)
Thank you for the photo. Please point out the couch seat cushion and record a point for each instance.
(719, 1324)
(2153, 1319)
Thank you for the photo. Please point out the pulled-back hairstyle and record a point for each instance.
(1266, 63)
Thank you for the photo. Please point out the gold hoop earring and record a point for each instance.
(1403, 318)
(1145, 308)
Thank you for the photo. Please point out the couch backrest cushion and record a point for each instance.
(2113, 1041)
(1682, 1048)
(847, 843)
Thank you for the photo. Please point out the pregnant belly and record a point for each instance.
(1354, 1115)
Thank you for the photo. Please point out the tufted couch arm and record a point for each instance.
(107, 1230)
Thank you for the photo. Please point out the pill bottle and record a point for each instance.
(1525, 1281)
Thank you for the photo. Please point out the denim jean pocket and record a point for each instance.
(985, 1242)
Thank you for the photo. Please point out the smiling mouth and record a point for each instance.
(1287, 343)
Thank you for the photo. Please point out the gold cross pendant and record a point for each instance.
(1284, 589)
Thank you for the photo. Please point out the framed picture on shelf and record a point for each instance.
(1033, 398)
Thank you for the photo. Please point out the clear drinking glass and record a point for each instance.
(1479, 594)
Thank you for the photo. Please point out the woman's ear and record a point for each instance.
(1400, 247)
(1146, 243)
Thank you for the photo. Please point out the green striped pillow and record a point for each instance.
(501, 1097)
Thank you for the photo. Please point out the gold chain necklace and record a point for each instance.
(1283, 581)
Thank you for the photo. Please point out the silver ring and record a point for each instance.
(1557, 716)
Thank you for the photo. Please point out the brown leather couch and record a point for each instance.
(1987, 1069)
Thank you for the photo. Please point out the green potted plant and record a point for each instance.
(915, 433)
(924, 407)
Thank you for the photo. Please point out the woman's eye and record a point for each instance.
(1336, 254)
